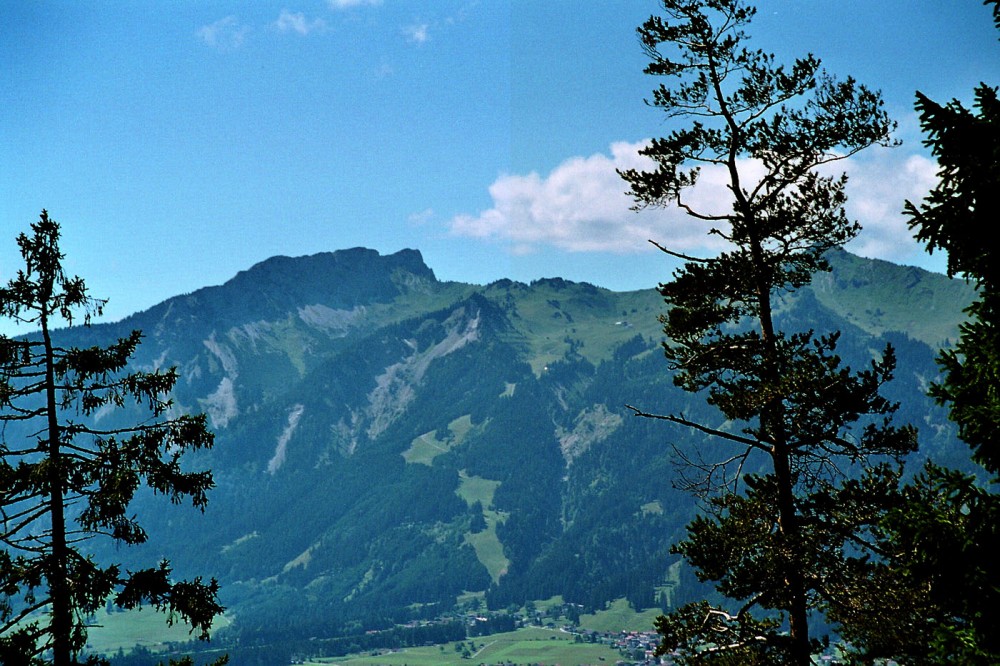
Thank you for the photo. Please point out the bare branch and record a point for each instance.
(680, 420)
(678, 255)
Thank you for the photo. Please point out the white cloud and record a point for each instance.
(879, 183)
(421, 218)
(297, 22)
(346, 4)
(582, 206)
(225, 34)
(418, 33)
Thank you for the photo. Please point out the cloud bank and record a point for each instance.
(582, 206)
(297, 22)
(225, 34)
(347, 4)
(879, 184)
(417, 33)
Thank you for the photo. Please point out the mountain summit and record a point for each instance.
(336, 280)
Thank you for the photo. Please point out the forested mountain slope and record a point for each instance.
(389, 444)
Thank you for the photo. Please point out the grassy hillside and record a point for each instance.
(533, 645)
(878, 296)
(558, 317)
(146, 628)
(619, 616)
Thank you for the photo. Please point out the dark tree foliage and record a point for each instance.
(68, 480)
(934, 596)
(791, 542)
(941, 542)
(959, 216)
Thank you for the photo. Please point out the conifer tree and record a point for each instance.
(783, 543)
(72, 462)
(941, 542)
(959, 216)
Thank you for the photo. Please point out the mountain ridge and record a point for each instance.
(859, 275)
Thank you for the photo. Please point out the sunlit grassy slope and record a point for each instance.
(878, 296)
(555, 316)
(138, 627)
(488, 548)
(534, 645)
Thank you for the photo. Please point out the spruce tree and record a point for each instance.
(72, 462)
(940, 543)
(788, 541)
(959, 216)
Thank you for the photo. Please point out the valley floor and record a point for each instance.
(530, 645)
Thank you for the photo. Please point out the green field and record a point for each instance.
(138, 627)
(474, 489)
(488, 548)
(533, 645)
(426, 447)
(619, 616)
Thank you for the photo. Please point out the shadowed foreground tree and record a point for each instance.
(65, 481)
(960, 216)
(943, 539)
(791, 540)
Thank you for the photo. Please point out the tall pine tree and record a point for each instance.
(66, 480)
(783, 543)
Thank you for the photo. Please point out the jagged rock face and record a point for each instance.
(365, 413)
(278, 459)
(592, 426)
(397, 386)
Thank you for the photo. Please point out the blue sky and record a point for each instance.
(181, 142)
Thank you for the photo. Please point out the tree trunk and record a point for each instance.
(773, 418)
(788, 526)
(62, 618)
